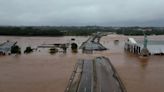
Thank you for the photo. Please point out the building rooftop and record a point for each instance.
(6, 46)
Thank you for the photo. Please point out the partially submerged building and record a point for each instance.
(153, 47)
(5, 48)
(132, 46)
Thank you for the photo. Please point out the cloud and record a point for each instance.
(82, 12)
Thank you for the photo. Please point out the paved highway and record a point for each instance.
(98, 75)
(105, 77)
(86, 78)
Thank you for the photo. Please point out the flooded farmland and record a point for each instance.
(42, 72)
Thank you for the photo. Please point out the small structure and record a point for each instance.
(62, 47)
(132, 46)
(144, 47)
(5, 48)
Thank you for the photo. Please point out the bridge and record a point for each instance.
(93, 43)
(96, 75)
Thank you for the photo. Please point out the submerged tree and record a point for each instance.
(15, 49)
(28, 50)
(74, 47)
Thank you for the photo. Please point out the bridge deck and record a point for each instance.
(97, 76)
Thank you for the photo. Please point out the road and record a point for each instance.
(86, 78)
(98, 75)
(105, 77)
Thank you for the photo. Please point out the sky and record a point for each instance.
(82, 12)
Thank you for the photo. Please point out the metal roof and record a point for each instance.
(131, 40)
(6, 46)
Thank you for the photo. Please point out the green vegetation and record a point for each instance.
(139, 31)
(28, 50)
(29, 31)
(76, 30)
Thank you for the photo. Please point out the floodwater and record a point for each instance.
(43, 72)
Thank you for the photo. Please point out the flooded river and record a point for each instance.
(43, 72)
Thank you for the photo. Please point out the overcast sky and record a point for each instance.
(82, 12)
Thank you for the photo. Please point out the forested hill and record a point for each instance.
(29, 31)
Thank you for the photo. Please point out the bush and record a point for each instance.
(28, 50)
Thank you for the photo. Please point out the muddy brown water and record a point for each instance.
(43, 72)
